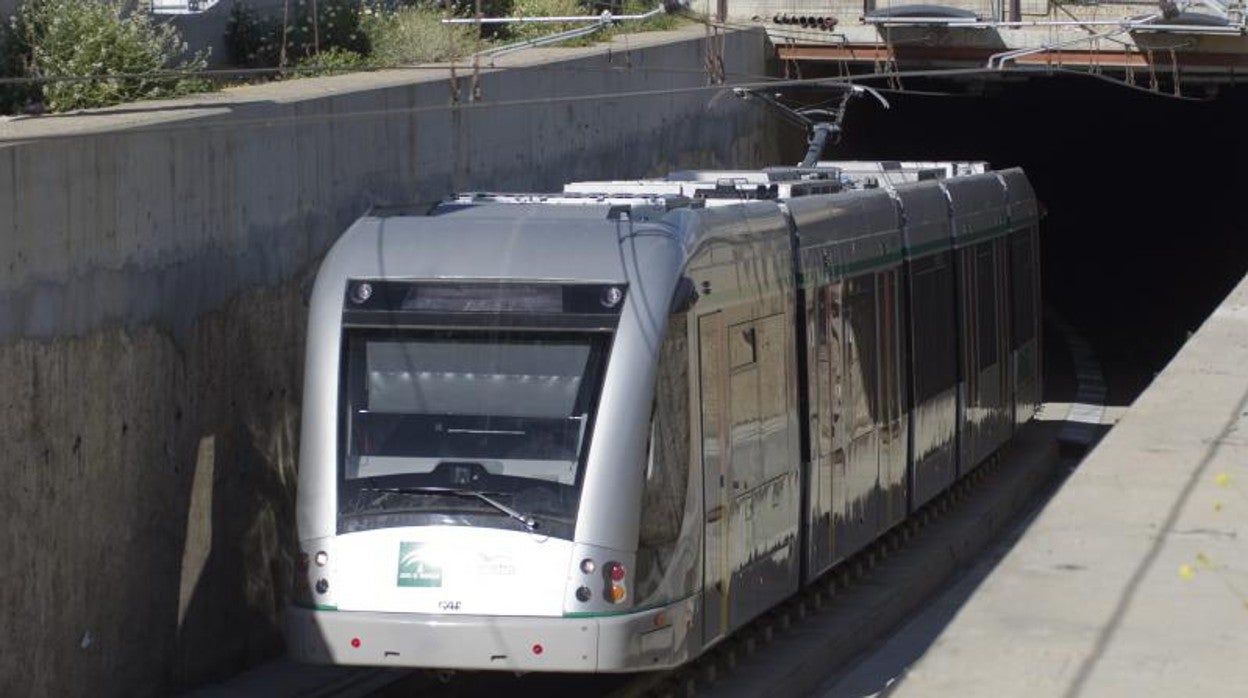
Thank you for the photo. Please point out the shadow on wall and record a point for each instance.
(240, 540)
(147, 526)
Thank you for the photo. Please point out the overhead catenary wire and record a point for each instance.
(453, 67)
(341, 116)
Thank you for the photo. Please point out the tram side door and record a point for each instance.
(712, 378)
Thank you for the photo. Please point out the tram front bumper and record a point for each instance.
(591, 644)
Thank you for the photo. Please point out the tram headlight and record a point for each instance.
(611, 296)
(362, 292)
(588, 566)
(312, 580)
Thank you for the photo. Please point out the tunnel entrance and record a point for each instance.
(1145, 197)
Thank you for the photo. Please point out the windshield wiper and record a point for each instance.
(528, 521)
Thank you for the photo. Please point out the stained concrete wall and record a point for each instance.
(151, 323)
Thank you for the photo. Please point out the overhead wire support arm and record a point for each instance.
(605, 17)
(591, 24)
(824, 131)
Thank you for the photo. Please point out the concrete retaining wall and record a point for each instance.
(151, 323)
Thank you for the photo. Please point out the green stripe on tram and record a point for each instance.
(314, 606)
(923, 248)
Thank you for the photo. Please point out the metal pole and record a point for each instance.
(606, 16)
(819, 135)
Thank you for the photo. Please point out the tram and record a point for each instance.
(598, 430)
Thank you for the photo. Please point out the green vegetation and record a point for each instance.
(331, 60)
(416, 34)
(309, 29)
(544, 8)
(92, 53)
(76, 39)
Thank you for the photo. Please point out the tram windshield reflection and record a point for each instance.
(504, 412)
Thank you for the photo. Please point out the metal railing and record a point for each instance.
(179, 7)
(598, 23)
(1149, 23)
(605, 18)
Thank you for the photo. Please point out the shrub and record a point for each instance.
(544, 8)
(252, 41)
(331, 61)
(459, 8)
(312, 27)
(335, 24)
(416, 35)
(82, 38)
(12, 65)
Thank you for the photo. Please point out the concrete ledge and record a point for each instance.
(1132, 581)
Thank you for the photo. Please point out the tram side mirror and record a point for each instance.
(684, 297)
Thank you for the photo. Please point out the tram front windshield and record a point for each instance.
(435, 419)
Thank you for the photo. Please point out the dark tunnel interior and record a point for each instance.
(1145, 226)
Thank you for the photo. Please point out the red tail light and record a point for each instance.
(615, 571)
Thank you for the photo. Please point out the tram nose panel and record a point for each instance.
(451, 570)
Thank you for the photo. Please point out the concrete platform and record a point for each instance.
(1133, 580)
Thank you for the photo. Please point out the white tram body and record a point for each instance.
(598, 430)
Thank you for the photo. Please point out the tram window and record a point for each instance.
(888, 344)
(986, 305)
(835, 357)
(862, 352)
(665, 489)
(1023, 271)
(516, 405)
(935, 349)
(742, 345)
(711, 402)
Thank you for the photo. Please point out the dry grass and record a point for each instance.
(416, 35)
